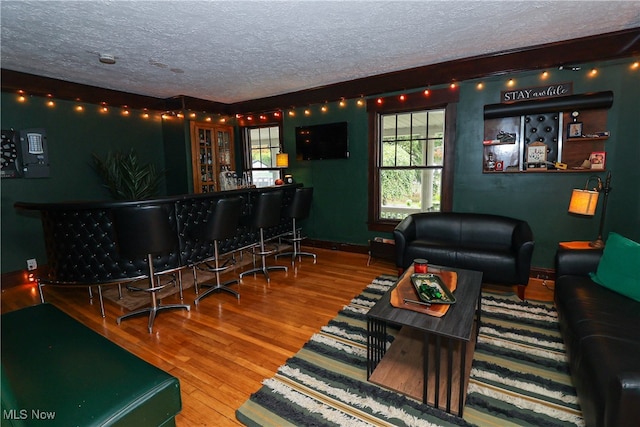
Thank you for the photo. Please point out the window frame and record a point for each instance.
(376, 107)
(246, 144)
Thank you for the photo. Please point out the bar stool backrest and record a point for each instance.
(143, 230)
(223, 221)
(301, 203)
(267, 209)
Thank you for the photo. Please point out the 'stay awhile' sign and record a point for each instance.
(550, 91)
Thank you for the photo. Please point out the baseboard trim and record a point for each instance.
(543, 273)
(21, 277)
(336, 246)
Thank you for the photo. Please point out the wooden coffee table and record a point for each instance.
(413, 364)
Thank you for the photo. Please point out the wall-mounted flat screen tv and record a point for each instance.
(325, 141)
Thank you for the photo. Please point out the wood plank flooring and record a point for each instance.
(223, 349)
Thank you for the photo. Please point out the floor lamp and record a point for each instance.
(584, 202)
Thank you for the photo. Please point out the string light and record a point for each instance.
(324, 107)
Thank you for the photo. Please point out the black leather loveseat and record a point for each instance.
(601, 331)
(498, 246)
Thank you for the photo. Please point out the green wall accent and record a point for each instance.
(542, 199)
(73, 137)
(177, 152)
(339, 210)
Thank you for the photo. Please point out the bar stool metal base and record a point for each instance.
(296, 239)
(264, 269)
(155, 307)
(152, 312)
(215, 288)
(217, 269)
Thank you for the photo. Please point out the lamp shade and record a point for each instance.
(282, 160)
(583, 202)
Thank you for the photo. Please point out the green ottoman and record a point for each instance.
(58, 372)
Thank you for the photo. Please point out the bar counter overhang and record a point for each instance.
(81, 244)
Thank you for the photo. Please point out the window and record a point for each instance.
(411, 168)
(261, 146)
(411, 162)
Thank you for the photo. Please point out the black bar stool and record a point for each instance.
(266, 213)
(298, 210)
(144, 231)
(221, 224)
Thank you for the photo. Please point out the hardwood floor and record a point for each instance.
(223, 349)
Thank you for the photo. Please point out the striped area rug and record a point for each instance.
(520, 375)
(325, 383)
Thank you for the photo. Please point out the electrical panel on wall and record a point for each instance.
(10, 161)
(35, 153)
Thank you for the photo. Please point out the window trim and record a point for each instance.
(440, 98)
(246, 143)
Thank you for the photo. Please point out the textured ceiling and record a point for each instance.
(230, 51)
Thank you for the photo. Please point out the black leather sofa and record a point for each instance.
(601, 331)
(498, 246)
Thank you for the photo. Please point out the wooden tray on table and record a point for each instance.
(405, 290)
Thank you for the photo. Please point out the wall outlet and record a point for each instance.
(32, 264)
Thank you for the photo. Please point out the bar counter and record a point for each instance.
(81, 243)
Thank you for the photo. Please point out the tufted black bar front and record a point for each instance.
(81, 244)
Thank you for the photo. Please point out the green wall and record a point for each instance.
(339, 211)
(543, 199)
(73, 137)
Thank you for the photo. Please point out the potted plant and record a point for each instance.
(126, 177)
